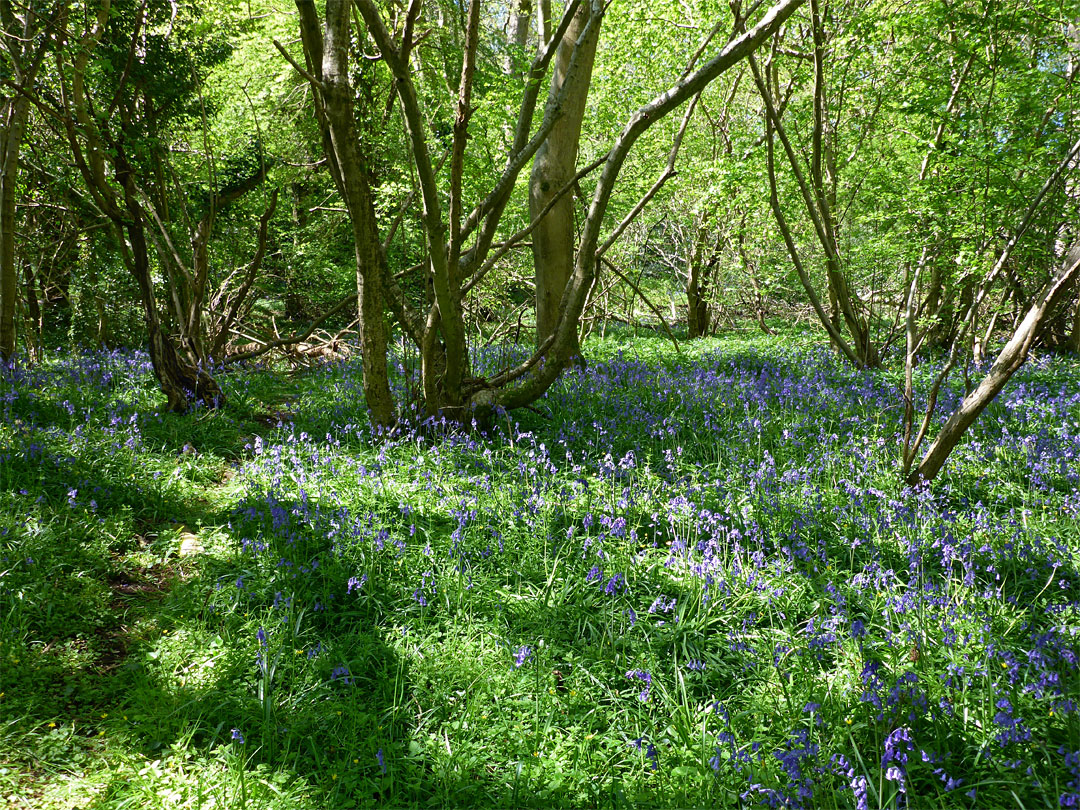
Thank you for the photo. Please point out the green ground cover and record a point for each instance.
(684, 580)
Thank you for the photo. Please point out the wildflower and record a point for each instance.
(382, 761)
(614, 585)
(521, 656)
(859, 788)
(643, 676)
(897, 747)
(237, 736)
(341, 674)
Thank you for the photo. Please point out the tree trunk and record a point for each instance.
(517, 33)
(697, 304)
(698, 274)
(33, 334)
(182, 383)
(557, 354)
(697, 316)
(19, 27)
(1012, 356)
(454, 271)
(819, 199)
(327, 53)
(15, 113)
(555, 162)
(293, 303)
(1074, 336)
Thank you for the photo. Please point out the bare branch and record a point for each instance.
(669, 172)
(348, 301)
(648, 303)
(296, 66)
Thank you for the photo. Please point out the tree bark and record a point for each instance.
(92, 141)
(1011, 357)
(24, 60)
(454, 269)
(15, 112)
(34, 324)
(181, 382)
(818, 200)
(556, 351)
(554, 164)
(328, 57)
(517, 34)
(697, 283)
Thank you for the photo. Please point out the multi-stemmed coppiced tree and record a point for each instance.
(463, 239)
(125, 77)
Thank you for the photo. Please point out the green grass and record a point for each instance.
(432, 600)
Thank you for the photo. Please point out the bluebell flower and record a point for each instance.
(341, 674)
(521, 656)
(643, 676)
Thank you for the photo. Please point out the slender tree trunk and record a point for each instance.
(824, 180)
(182, 383)
(1011, 357)
(697, 316)
(555, 162)
(33, 314)
(697, 304)
(557, 355)
(517, 33)
(19, 28)
(293, 306)
(15, 112)
(751, 271)
(817, 197)
(328, 54)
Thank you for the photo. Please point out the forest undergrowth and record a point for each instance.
(685, 580)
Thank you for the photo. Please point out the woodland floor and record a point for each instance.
(685, 580)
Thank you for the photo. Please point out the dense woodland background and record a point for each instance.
(500, 404)
(217, 183)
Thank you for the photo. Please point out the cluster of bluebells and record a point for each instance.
(741, 493)
(521, 655)
(746, 536)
